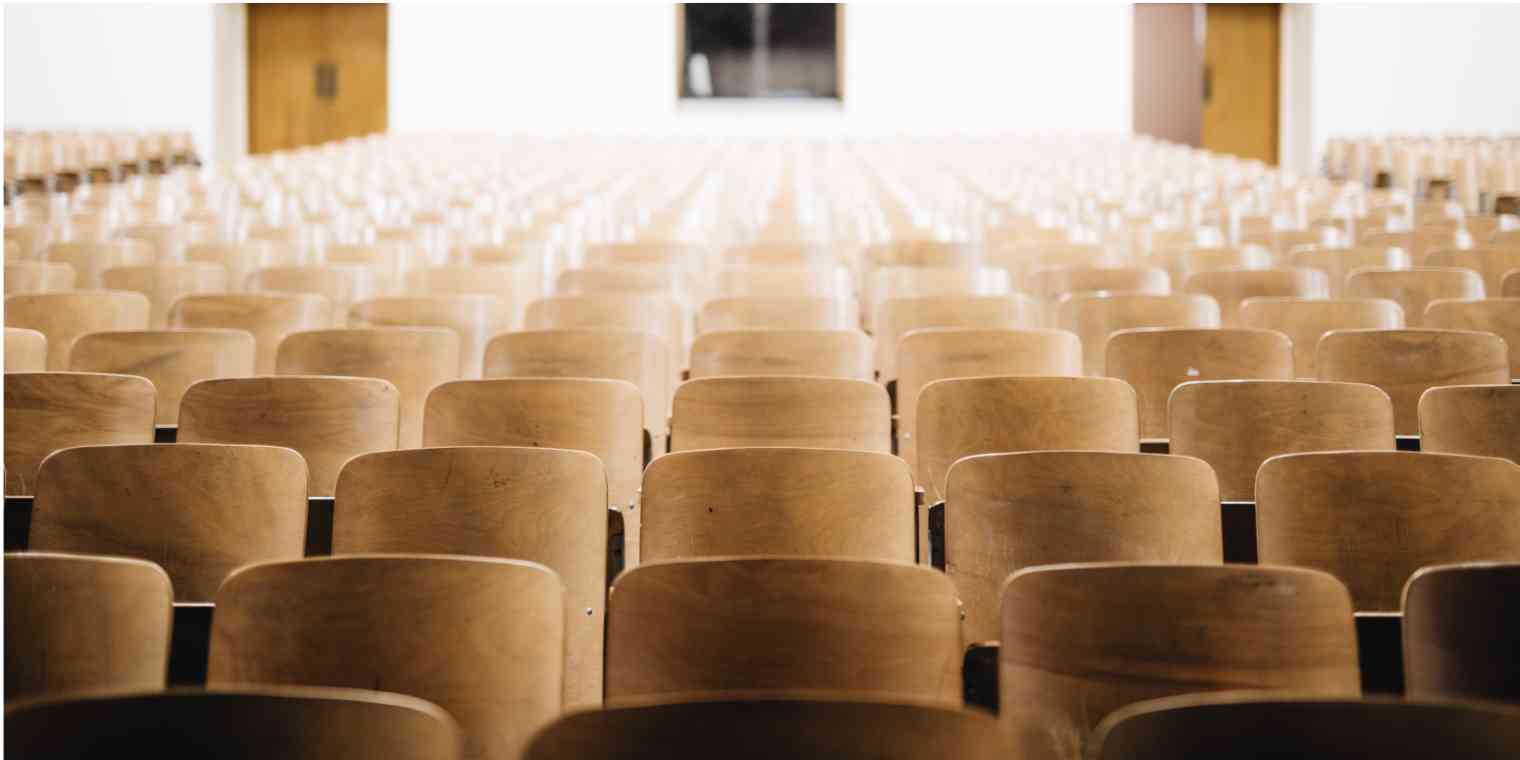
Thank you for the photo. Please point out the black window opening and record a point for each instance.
(760, 50)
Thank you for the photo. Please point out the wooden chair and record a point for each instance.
(1203, 726)
(25, 350)
(242, 260)
(1006, 512)
(197, 510)
(1483, 420)
(63, 317)
(235, 724)
(777, 313)
(806, 412)
(920, 282)
(898, 316)
(923, 254)
(1461, 630)
(1490, 263)
(1511, 285)
(516, 284)
(76, 622)
(38, 277)
(48, 411)
(1049, 285)
(474, 318)
(528, 256)
(1414, 288)
(657, 314)
(814, 353)
(386, 261)
(1404, 363)
(1235, 425)
(1306, 320)
(1182, 263)
(1500, 316)
(793, 256)
(166, 239)
(1230, 287)
(1375, 517)
(483, 638)
(768, 624)
(592, 282)
(91, 259)
(163, 284)
(542, 505)
(1155, 361)
(749, 727)
(1418, 242)
(1336, 263)
(342, 286)
(1094, 317)
(791, 283)
(414, 359)
(29, 240)
(268, 317)
(172, 359)
(1080, 641)
(963, 417)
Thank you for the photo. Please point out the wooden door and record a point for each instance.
(1240, 56)
(316, 73)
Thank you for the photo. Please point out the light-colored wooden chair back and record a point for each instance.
(1405, 363)
(1306, 320)
(475, 319)
(597, 281)
(806, 412)
(1230, 287)
(164, 284)
(1461, 623)
(38, 277)
(268, 317)
(913, 282)
(1155, 361)
(48, 411)
(1483, 420)
(657, 314)
(1094, 317)
(777, 313)
(1413, 289)
(1500, 316)
(1336, 263)
(341, 286)
(813, 353)
(1049, 285)
(91, 259)
(25, 350)
(1490, 263)
(897, 316)
(172, 359)
(63, 317)
(242, 260)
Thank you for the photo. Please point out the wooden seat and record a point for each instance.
(1375, 517)
(898, 316)
(1306, 320)
(48, 411)
(1235, 425)
(91, 259)
(414, 359)
(163, 284)
(342, 286)
(63, 317)
(1490, 263)
(481, 638)
(1155, 361)
(1483, 420)
(235, 724)
(770, 624)
(1230, 287)
(197, 510)
(242, 260)
(1049, 285)
(268, 317)
(1336, 263)
(172, 359)
(1203, 726)
(807, 412)
(1461, 631)
(1404, 363)
(1500, 316)
(814, 353)
(1080, 641)
(1006, 512)
(1094, 317)
(25, 350)
(543, 505)
(657, 314)
(922, 282)
(1414, 288)
(777, 313)
(474, 318)
(75, 622)
(750, 727)
(38, 277)
(639, 357)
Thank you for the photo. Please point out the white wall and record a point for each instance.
(131, 67)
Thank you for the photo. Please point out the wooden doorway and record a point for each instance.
(316, 73)
(1240, 56)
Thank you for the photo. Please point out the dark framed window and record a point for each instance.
(759, 50)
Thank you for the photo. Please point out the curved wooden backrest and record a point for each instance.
(814, 353)
(1306, 320)
(243, 259)
(163, 284)
(756, 727)
(385, 260)
(474, 318)
(342, 286)
(1232, 286)
(764, 256)
(1336, 263)
(1461, 629)
(643, 254)
(806, 412)
(482, 638)
(1155, 361)
(25, 350)
(166, 238)
(777, 313)
(637, 356)
(76, 622)
(1414, 288)
(1006, 512)
(771, 623)
(1183, 263)
(923, 254)
(48, 411)
(1404, 363)
(826, 282)
(1483, 420)
(1235, 425)
(1490, 263)
(28, 240)
(235, 724)
(1500, 316)
(268, 317)
(1203, 727)
(1080, 641)
(526, 255)
(629, 280)
(172, 359)
(1375, 517)
(38, 277)
(1094, 317)
(91, 259)
(1050, 284)
(543, 505)
(414, 359)
(327, 420)
(897, 316)
(1418, 242)
(63, 317)
(516, 284)
(660, 315)
(1511, 285)
(915, 282)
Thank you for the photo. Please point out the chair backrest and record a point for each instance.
(235, 724)
(897, 316)
(342, 286)
(482, 638)
(385, 261)
(777, 312)
(1375, 517)
(1336, 263)
(923, 254)
(542, 505)
(1306, 320)
(1080, 641)
(91, 259)
(783, 624)
(961, 417)
(414, 359)
(1155, 361)
(197, 510)
(474, 318)
(1490, 263)
(1511, 285)
(1183, 263)
(820, 283)
(1483, 420)
(639, 357)
(516, 284)
(245, 258)
(1461, 628)
(173, 359)
(1094, 317)
(1404, 363)
(1006, 512)
(38, 277)
(1049, 285)
(76, 622)
(1418, 242)
(1414, 288)
(163, 284)
(1500, 316)
(806, 412)
(48, 411)
(1235, 425)
(601, 280)
(268, 317)
(1232, 286)
(63, 317)
(660, 315)
(25, 350)
(812, 353)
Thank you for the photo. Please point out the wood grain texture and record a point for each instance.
(342, 286)
(1419, 242)
(777, 313)
(1235, 425)
(1511, 285)
(812, 353)
(474, 318)
(517, 285)
(912, 282)
(91, 259)
(592, 281)
(1336, 263)
(38, 277)
(197, 510)
(1414, 288)
(897, 316)
(1306, 320)
(25, 350)
(1500, 316)
(48, 411)
(483, 638)
(1405, 363)
(542, 505)
(657, 314)
(285, 45)
(1229, 287)
(243, 259)
(268, 317)
(1374, 518)
(636, 356)
(172, 359)
(1184, 262)
(163, 284)
(806, 412)
(63, 317)
(1461, 628)
(922, 254)
(1080, 641)
(821, 282)
(75, 622)
(768, 624)
(1050, 285)
(1095, 317)
(1154, 361)
(1483, 420)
